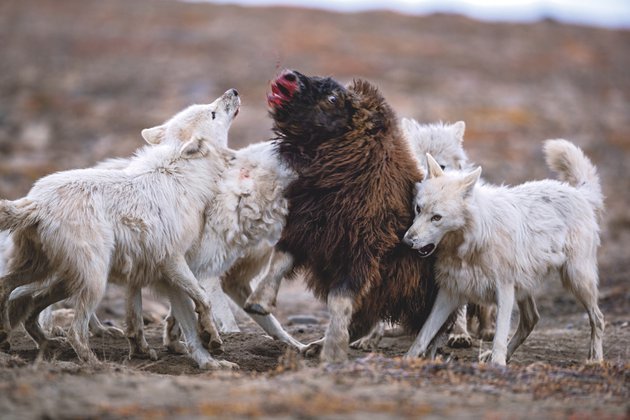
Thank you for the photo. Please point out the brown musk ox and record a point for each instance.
(348, 209)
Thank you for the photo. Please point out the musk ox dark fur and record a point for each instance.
(350, 205)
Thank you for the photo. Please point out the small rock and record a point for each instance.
(303, 319)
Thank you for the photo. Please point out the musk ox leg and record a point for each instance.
(263, 300)
(459, 337)
(337, 338)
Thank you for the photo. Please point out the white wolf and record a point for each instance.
(134, 224)
(80, 227)
(445, 143)
(242, 226)
(210, 121)
(497, 244)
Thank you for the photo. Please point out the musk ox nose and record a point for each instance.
(289, 76)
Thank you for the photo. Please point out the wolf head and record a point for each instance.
(311, 111)
(443, 141)
(210, 121)
(440, 206)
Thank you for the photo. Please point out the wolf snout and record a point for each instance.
(408, 240)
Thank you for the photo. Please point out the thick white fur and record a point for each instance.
(497, 244)
(443, 141)
(242, 225)
(134, 224)
(209, 121)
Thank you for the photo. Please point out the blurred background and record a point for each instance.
(79, 79)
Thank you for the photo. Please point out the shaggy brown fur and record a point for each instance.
(352, 202)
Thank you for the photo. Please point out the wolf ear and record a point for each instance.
(154, 135)
(435, 170)
(469, 181)
(196, 147)
(460, 127)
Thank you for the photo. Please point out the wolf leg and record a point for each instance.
(444, 305)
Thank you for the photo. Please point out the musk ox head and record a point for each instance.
(309, 111)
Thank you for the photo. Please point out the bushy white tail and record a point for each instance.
(573, 167)
(16, 214)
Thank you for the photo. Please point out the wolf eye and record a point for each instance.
(442, 166)
(436, 218)
(214, 115)
(332, 99)
(418, 209)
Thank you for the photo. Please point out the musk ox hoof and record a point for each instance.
(256, 308)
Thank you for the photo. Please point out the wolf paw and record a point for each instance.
(365, 343)
(57, 331)
(488, 357)
(313, 349)
(112, 332)
(228, 365)
(485, 356)
(208, 363)
(486, 334)
(148, 353)
(213, 344)
(176, 347)
(459, 341)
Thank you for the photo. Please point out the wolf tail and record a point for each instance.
(574, 168)
(18, 214)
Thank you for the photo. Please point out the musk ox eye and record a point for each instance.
(436, 218)
(332, 99)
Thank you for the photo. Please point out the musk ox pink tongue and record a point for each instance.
(273, 101)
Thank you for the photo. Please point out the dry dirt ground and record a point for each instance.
(79, 79)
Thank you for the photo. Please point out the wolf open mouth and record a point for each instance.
(426, 250)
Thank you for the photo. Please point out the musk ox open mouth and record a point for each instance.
(426, 250)
(282, 89)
